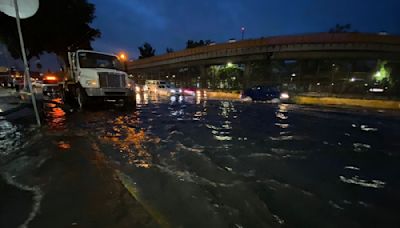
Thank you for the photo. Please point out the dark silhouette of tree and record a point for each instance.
(200, 43)
(340, 28)
(57, 27)
(146, 51)
(169, 50)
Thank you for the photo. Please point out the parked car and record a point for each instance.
(265, 93)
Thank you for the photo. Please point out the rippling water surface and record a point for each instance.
(205, 163)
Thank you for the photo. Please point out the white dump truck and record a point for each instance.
(97, 77)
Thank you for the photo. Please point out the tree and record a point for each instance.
(146, 51)
(169, 50)
(200, 43)
(57, 27)
(340, 28)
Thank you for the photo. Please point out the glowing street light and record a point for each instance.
(124, 58)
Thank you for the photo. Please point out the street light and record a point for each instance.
(242, 30)
(124, 58)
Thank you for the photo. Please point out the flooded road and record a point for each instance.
(190, 162)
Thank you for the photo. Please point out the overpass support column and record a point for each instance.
(248, 70)
(203, 76)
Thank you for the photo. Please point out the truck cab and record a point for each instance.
(96, 76)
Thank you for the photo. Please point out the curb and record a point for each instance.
(223, 95)
(348, 102)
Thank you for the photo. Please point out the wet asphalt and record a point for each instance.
(194, 162)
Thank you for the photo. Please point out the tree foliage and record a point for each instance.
(200, 43)
(146, 51)
(383, 73)
(340, 28)
(169, 50)
(57, 27)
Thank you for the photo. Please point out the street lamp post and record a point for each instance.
(242, 30)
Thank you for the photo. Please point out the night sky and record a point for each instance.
(126, 24)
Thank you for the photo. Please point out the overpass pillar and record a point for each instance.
(203, 76)
(248, 70)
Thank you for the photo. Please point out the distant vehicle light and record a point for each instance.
(50, 78)
(180, 90)
(173, 91)
(284, 96)
(376, 90)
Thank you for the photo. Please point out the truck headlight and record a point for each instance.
(91, 82)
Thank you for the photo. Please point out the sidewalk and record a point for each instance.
(11, 101)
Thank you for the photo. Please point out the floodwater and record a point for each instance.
(192, 162)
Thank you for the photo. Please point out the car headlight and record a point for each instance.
(173, 91)
(284, 96)
(91, 82)
(180, 90)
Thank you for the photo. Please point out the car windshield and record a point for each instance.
(96, 60)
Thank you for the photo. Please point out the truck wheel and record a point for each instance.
(130, 102)
(81, 98)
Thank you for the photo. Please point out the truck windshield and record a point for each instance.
(96, 60)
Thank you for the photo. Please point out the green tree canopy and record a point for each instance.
(57, 27)
(146, 51)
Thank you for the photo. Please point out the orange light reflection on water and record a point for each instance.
(131, 142)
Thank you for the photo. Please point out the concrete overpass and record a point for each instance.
(313, 46)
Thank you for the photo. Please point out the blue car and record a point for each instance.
(265, 93)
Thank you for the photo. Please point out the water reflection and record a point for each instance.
(10, 137)
(360, 147)
(282, 121)
(54, 115)
(223, 131)
(356, 180)
(64, 145)
(130, 141)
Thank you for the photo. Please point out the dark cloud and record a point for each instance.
(127, 24)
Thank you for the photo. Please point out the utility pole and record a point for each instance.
(27, 74)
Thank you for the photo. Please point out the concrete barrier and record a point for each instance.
(381, 104)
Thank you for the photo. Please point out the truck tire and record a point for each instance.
(130, 102)
(81, 98)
